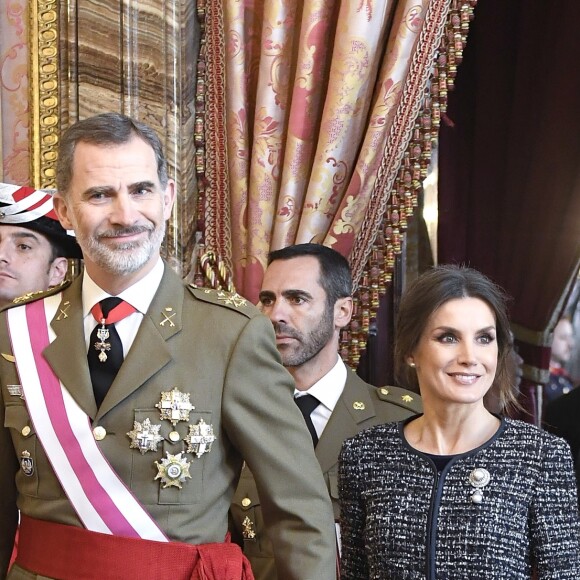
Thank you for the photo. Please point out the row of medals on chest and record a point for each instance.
(174, 406)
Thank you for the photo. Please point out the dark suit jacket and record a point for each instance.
(562, 417)
(225, 357)
(360, 406)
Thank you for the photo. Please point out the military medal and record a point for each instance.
(173, 470)
(200, 438)
(117, 313)
(103, 335)
(27, 464)
(174, 406)
(145, 436)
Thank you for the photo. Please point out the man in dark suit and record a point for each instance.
(306, 293)
(124, 461)
(563, 343)
(561, 417)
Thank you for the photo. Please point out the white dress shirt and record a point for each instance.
(139, 295)
(327, 390)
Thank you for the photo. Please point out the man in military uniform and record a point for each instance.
(34, 247)
(129, 400)
(306, 293)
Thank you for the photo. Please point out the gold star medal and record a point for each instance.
(173, 470)
(200, 438)
(174, 406)
(145, 436)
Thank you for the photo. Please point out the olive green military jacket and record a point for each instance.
(219, 350)
(360, 406)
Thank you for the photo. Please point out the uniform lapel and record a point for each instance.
(66, 354)
(149, 352)
(352, 408)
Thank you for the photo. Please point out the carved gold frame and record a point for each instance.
(43, 87)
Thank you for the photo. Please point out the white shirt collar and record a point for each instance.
(139, 295)
(329, 388)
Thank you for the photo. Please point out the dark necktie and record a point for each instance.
(105, 355)
(307, 404)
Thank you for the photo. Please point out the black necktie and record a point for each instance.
(105, 354)
(307, 404)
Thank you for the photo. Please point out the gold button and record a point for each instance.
(246, 502)
(174, 436)
(26, 431)
(384, 391)
(99, 433)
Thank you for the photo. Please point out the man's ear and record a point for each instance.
(342, 312)
(57, 271)
(61, 211)
(168, 198)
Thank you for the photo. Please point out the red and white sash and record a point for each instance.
(98, 495)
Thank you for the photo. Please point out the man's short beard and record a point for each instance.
(128, 257)
(309, 345)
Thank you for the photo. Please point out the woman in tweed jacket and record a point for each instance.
(457, 493)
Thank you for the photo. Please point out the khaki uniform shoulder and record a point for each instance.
(231, 300)
(401, 397)
(38, 295)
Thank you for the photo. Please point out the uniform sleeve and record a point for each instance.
(261, 419)
(353, 561)
(8, 467)
(554, 525)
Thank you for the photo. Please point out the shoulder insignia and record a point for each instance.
(230, 300)
(38, 294)
(401, 397)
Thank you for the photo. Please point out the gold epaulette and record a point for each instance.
(402, 397)
(230, 300)
(38, 294)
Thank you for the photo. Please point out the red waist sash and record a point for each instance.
(68, 552)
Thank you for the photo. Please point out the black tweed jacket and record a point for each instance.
(402, 520)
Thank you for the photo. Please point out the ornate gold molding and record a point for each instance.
(43, 86)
